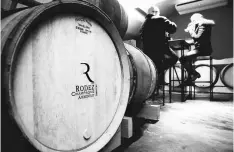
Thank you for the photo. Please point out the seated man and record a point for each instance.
(200, 30)
(155, 41)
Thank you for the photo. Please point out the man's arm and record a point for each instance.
(199, 31)
(170, 26)
(202, 27)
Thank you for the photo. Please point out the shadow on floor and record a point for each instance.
(194, 125)
(140, 125)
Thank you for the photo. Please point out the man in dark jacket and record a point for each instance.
(200, 30)
(155, 40)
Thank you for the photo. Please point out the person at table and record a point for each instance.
(200, 30)
(154, 34)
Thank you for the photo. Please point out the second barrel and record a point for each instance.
(143, 75)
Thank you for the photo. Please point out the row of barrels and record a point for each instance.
(225, 75)
(67, 77)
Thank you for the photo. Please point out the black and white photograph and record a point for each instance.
(117, 76)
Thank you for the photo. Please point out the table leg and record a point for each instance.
(170, 85)
(182, 77)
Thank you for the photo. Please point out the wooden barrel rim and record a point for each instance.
(214, 80)
(10, 12)
(9, 27)
(154, 87)
(149, 67)
(133, 77)
(222, 75)
(96, 14)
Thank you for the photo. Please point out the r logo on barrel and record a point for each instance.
(86, 91)
(86, 72)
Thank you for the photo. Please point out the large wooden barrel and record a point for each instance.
(175, 75)
(204, 71)
(135, 20)
(66, 77)
(116, 12)
(128, 21)
(143, 75)
(226, 76)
